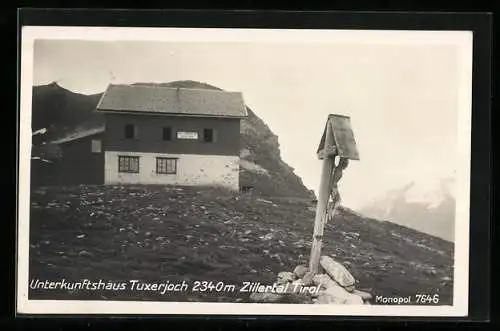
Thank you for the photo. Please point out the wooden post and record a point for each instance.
(321, 208)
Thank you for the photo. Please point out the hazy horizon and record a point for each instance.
(402, 99)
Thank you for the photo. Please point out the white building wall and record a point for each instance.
(192, 170)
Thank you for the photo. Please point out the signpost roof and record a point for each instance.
(343, 137)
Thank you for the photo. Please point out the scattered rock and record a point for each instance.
(85, 253)
(335, 294)
(337, 271)
(266, 297)
(299, 282)
(285, 277)
(324, 281)
(355, 300)
(364, 295)
(308, 278)
(297, 298)
(325, 298)
(300, 271)
(268, 236)
(349, 288)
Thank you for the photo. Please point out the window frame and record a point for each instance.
(159, 169)
(96, 143)
(213, 135)
(163, 130)
(127, 160)
(134, 131)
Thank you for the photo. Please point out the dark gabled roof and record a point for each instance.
(176, 101)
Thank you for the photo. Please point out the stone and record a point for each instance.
(337, 271)
(300, 271)
(265, 297)
(324, 281)
(325, 298)
(350, 288)
(297, 298)
(85, 253)
(338, 295)
(281, 281)
(354, 300)
(364, 295)
(285, 277)
(308, 278)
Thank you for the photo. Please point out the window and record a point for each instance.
(128, 164)
(167, 133)
(130, 131)
(166, 165)
(209, 135)
(96, 146)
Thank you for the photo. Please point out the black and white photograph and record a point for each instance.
(244, 171)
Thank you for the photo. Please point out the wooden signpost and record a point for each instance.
(337, 141)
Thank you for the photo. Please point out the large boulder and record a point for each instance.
(336, 294)
(324, 281)
(337, 271)
(300, 271)
(308, 278)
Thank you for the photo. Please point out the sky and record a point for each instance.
(402, 99)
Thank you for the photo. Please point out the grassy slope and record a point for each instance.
(161, 233)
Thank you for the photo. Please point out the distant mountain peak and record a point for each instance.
(427, 205)
(430, 193)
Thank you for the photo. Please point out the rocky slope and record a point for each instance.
(159, 234)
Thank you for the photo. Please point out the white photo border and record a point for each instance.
(462, 39)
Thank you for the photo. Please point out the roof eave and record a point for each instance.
(138, 112)
(102, 97)
(64, 141)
